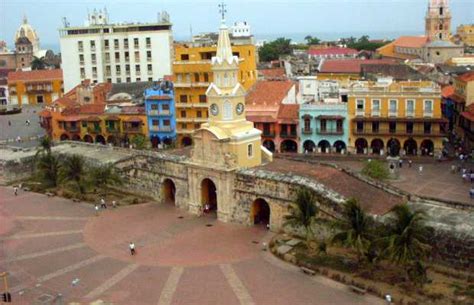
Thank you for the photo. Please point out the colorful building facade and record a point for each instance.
(466, 34)
(462, 100)
(37, 87)
(193, 75)
(396, 118)
(324, 127)
(161, 114)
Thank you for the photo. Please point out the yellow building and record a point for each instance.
(466, 34)
(35, 87)
(193, 75)
(396, 118)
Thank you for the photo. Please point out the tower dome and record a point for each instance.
(26, 30)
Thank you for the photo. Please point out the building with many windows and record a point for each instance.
(160, 112)
(465, 32)
(193, 75)
(117, 53)
(35, 87)
(396, 118)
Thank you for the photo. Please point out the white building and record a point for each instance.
(117, 53)
(241, 29)
(312, 89)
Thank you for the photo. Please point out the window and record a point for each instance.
(81, 58)
(206, 77)
(137, 56)
(428, 107)
(94, 71)
(339, 125)
(80, 46)
(166, 122)
(410, 107)
(148, 42)
(165, 107)
(117, 56)
(376, 106)
(227, 112)
(183, 113)
(409, 127)
(150, 79)
(197, 126)
(196, 77)
(202, 98)
(137, 68)
(92, 43)
(360, 126)
(93, 58)
(323, 125)
(119, 80)
(427, 128)
(375, 127)
(199, 114)
(117, 69)
(360, 105)
(83, 73)
(184, 126)
(135, 42)
(127, 68)
(184, 56)
(138, 79)
(393, 106)
(116, 44)
(250, 150)
(149, 68)
(155, 122)
(39, 99)
(307, 124)
(125, 43)
(107, 57)
(154, 106)
(392, 127)
(148, 55)
(183, 99)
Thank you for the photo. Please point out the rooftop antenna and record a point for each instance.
(65, 22)
(222, 10)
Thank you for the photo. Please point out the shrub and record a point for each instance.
(375, 169)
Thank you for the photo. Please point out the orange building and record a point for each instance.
(35, 87)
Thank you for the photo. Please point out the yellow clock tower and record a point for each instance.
(227, 141)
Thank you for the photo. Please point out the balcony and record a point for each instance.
(191, 84)
(428, 113)
(330, 131)
(94, 130)
(392, 113)
(410, 114)
(39, 88)
(399, 132)
(112, 129)
(71, 128)
(161, 128)
(288, 135)
(306, 130)
(375, 113)
(360, 112)
(185, 105)
(132, 129)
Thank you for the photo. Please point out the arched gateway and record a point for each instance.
(260, 212)
(169, 192)
(209, 195)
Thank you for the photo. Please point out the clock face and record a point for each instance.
(214, 109)
(239, 108)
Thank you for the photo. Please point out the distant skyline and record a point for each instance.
(326, 19)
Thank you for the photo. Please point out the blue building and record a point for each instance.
(160, 112)
(324, 127)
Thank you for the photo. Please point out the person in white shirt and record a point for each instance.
(132, 248)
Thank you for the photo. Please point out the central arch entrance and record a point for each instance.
(169, 192)
(209, 196)
(260, 213)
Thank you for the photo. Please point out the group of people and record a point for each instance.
(103, 205)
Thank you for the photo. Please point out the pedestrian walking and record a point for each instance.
(453, 169)
(400, 163)
(114, 204)
(420, 169)
(132, 248)
(15, 190)
(409, 163)
(96, 210)
(102, 203)
(9, 123)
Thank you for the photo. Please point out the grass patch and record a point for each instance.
(375, 169)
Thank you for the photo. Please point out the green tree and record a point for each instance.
(47, 169)
(363, 39)
(303, 213)
(44, 146)
(375, 169)
(354, 229)
(73, 173)
(38, 63)
(310, 40)
(104, 176)
(274, 49)
(406, 241)
(139, 141)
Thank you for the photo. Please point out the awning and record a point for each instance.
(93, 119)
(330, 117)
(307, 116)
(133, 120)
(112, 118)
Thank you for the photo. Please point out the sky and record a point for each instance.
(327, 19)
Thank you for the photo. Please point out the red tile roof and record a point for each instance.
(45, 113)
(268, 93)
(64, 101)
(467, 77)
(92, 109)
(352, 66)
(35, 75)
(411, 41)
(447, 91)
(332, 51)
(276, 73)
(288, 113)
(133, 110)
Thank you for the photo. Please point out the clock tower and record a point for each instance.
(227, 141)
(438, 20)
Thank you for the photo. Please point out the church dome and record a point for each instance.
(26, 30)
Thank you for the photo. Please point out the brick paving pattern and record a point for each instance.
(178, 261)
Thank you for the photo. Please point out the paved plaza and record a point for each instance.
(17, 127)
(47, 243)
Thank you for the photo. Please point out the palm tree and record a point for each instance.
(73, 172)
(303, 212)
(407, 237)
(44, 146)
(104, 176)
(354, 228)
(38, 63)
(48, 168)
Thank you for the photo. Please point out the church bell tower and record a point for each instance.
(438, 20)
